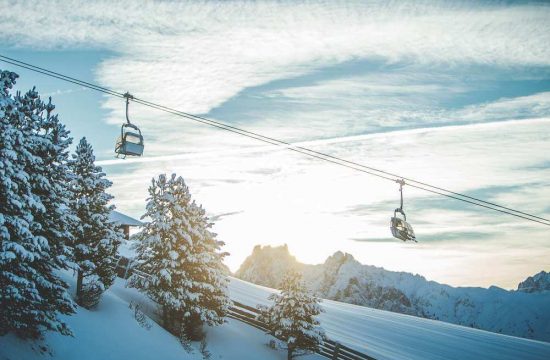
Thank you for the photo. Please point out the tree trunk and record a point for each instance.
(165, 318)
(79, 280)
(169, 321)
(289, 353)
(193, 327)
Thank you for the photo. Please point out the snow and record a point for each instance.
(189, 281)
(251, 344)
(293, 316)
(386, 335)
(122, 219)
(35, 224)
(127, 248)
(110, 332)
(524, 313)
(537, 283)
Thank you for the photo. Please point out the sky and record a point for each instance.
(456, 94)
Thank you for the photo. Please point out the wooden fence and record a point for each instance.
(248, 315)
(329, 349)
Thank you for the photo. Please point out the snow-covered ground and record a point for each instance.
(524, 313)
(386, 335)
(111, 332)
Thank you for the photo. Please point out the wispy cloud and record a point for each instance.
(383, 102)
(198, 55)
(202, 56)
(320, 206)
(63, 92)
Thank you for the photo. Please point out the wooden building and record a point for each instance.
(125, 222)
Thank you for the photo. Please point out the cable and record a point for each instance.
(384, 172)
(59, 76)
(299, 149)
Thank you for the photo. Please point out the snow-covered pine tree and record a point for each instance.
(50, 177)
(183, 258)
(96, 239)
(292, 317)
(34, 216)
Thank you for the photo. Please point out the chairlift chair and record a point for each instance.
(130, 141)
(400, 228)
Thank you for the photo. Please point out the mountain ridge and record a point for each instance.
(342, 278)
(536, 283)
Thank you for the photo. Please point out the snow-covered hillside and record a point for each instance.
(344, 279)
(386, 335)
(111, 332)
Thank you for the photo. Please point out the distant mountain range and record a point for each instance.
(524, 312)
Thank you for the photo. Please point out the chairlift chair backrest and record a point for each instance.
(130, 143)
(400, 228)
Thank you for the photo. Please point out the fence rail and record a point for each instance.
(329, 348)
(248, 315)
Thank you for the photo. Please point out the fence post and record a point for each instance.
(336, 351)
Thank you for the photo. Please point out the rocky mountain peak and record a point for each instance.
(338, 259)
(536, 283)
(266, 264)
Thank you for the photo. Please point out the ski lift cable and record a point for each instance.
(272, 141)
(325, 156)
(350, 164)
(276, 142)
(299, 149)
(59, 76)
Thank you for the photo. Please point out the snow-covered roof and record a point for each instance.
(122, 219)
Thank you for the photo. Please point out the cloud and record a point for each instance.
(444, 236)
(196, 56)
(388, 239)
(382, 101)
(59, 92)
(369, 82)
(532, 106)
(217, 217)
(311, 204)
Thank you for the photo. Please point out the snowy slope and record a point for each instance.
(110, 332)
(342, 278)
(386, 335)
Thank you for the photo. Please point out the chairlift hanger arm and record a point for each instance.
(128, 96)
(401, 183)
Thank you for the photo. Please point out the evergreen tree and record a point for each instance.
(34, 216)
(292, 317)
(96, 238)
(183, 258)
